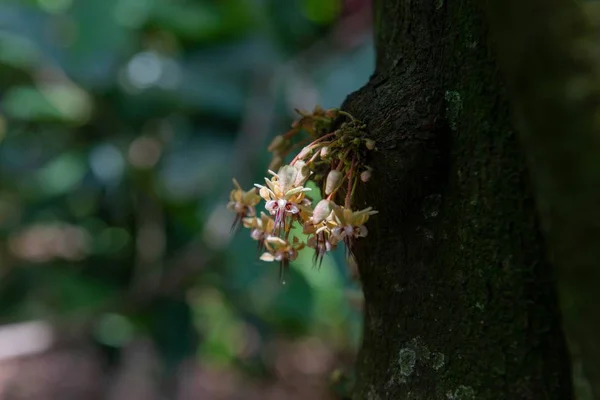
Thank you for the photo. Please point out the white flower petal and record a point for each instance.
(276, 240)
(272, 206)
(266, 194)
(321, 229)
(349, 230)
(362, 231)
(329, 246)
(271, 184)
(268, 257)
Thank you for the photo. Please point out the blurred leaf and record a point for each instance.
(292, 31)
(17, 50)
(173, 330)
(111, 240)
(133, 13)
(203, 21)
(48, 102)
(222, 333)
(68, 291)
(61, 174)
(28, 103)
(291, 310)
(73, 103)
(114, 330)
(14, 289)
(100, 42)
(322, 11)
(55, 6)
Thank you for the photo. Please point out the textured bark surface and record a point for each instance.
(459, 296)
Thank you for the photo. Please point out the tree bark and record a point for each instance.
(459, 294)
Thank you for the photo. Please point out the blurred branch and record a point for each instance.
(150, 244)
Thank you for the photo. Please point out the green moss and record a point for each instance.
(437, 361)
(407, 360)
(453, 108)
(461, 393)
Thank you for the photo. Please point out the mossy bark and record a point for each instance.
(459, 295)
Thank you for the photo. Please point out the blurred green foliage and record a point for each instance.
(121, 125)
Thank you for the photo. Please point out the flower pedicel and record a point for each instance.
(333, 156)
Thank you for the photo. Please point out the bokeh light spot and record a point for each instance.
(114, 330)
(144, 152)
(55, 6)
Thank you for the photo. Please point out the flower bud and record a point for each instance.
(324, 151)
(365, 176)
(321, 211)
(304, 152)
(370, 143)
(334, 179)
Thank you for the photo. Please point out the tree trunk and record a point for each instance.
(459, 295)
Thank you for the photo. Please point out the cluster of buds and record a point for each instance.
(333, 156)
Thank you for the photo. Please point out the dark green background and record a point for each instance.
(122, 123)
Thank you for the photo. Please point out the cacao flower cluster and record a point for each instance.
(333, 156)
